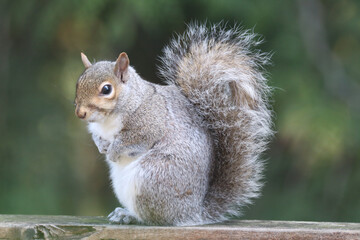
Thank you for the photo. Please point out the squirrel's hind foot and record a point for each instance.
(122, 216)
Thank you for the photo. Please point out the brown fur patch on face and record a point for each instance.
(96, 108)
(88, 89)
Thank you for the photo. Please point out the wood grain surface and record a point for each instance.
(72, 227)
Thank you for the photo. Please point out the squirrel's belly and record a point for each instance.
(124, 183)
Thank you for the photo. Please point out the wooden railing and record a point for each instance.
(70, 227)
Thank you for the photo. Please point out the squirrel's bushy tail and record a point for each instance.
(221, 73)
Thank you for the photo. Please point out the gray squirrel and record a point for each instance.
(186, 153)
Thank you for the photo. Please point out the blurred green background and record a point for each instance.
(49, 164)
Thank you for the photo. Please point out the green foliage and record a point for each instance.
(48, 163)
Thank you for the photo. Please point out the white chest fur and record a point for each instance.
(106, 129)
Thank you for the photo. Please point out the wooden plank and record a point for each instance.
(71, 227)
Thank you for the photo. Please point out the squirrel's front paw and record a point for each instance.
(121, 216)
(102, 144)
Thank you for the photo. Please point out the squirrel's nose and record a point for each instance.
(80, 113)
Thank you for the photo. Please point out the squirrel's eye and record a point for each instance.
(106, 89)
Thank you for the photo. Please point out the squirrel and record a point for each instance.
(185, 153)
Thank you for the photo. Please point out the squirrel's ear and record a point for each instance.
(85, 61)
(121, 66)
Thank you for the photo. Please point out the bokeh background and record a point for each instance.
(48, 163)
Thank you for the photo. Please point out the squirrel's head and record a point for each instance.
(98, 88)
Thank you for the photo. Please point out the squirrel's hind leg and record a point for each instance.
(122, 216)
